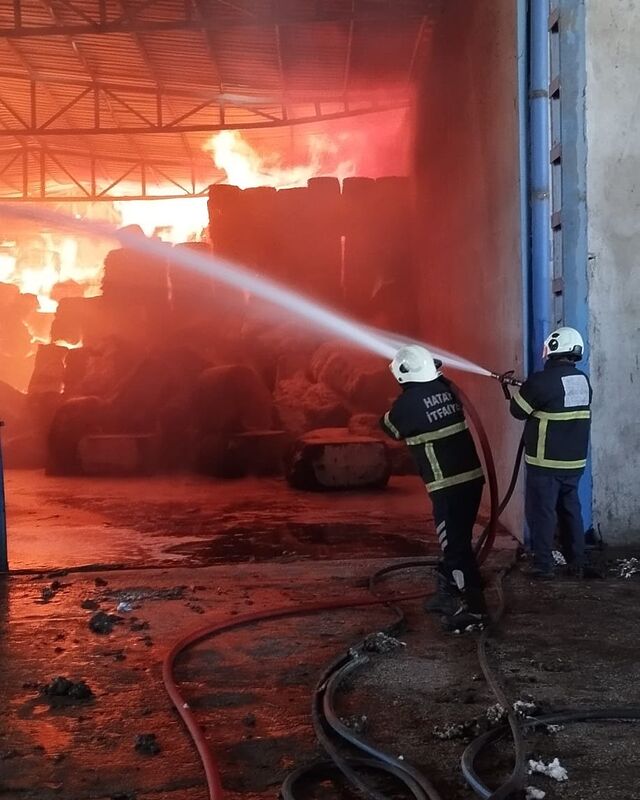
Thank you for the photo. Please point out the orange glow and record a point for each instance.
(68, 345)
(41, 261)
(246, 168)
(175, 221)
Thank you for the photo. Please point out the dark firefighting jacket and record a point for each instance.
(430, 419)
(555, 402)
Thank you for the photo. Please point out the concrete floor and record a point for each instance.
(191, 550)
(180, 520)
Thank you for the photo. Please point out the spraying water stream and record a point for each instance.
(315, 314)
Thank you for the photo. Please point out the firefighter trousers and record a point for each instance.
(552, 503)
(455, 510)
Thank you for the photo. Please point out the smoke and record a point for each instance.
(314, 314)
(377, 146)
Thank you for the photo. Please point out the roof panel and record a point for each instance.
(315, 57)
(313, 54)
(181, 58)
(247, 58)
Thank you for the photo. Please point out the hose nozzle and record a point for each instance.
(507, 379)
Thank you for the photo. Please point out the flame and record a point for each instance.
(39, 261)
(174, 221)
(246, 168)
(43, 261)
(68, 345)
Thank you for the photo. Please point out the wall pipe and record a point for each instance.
(539, 174)
(522, 16)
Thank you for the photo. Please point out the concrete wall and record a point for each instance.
(469, 204)
(613, 202)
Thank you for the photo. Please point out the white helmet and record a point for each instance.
(564, 341)
(414, 364)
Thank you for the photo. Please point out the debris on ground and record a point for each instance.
(101, 582)
(136, 624)
(381, 642)
(456, 730)
(553, 769)
(525, 708)
(496, 714)
(559, 559)
(551, 729)
(357, 723)
(534, 794)
(628, 567)
(140, 594)
(49, 592)
(124, 607)
(90, 605)
(103, 623)
(63, 687)
(147, 744)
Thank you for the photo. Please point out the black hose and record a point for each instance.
(419, 785)
(628, 714)
(516, 780)
(324, 716)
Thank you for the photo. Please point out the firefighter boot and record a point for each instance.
(445, 600)
(471, 614)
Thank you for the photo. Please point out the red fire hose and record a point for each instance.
(483, 548)
(211, 769)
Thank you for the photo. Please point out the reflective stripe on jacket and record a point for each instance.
(430, 419)
(555, 403)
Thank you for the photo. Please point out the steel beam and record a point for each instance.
(78, 22)
(269, 117)
(130, 178)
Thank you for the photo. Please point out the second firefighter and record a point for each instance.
(429, 417)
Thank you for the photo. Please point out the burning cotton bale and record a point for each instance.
(135, 293)
(267, 345)
(333, 459)
(359, 197)
(149, 386)
(232, 399)
(69, 321)
(12, 405)
(96, 369)
(228, 235)
(288, 403)
(192, 293)
(362, 380)
(324, 408)
(48, 372)
(302, 406)
(117, 454)
(176, 433)
(325, 244)
(74, 419)
(23, 437)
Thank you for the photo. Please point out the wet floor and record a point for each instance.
(257, 544)
(70, 522)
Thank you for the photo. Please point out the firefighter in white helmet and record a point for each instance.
(556, 404)
(430, 419)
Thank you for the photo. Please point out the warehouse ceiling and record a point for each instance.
(105, 98)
